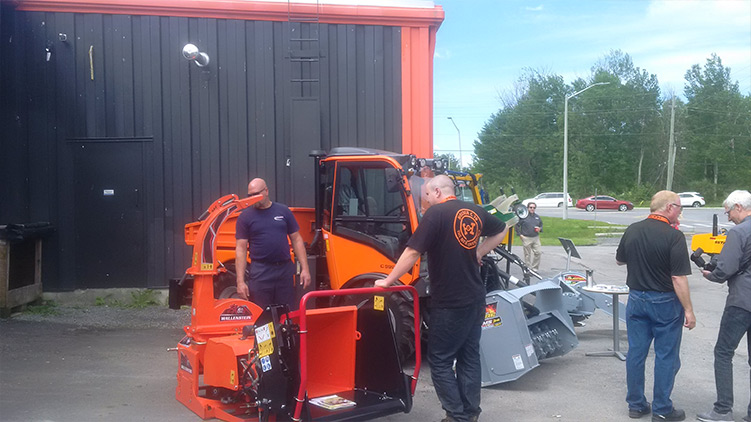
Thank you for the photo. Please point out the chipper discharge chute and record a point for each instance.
(238, 362)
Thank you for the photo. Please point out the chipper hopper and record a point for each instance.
(238, 362)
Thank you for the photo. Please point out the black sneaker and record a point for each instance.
(638, 413)
(675, 415)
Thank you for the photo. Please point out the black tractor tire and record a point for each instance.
(696, 204)
(401, 312)
(590, 207)
(622, 208)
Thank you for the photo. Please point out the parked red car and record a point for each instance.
(602, 202)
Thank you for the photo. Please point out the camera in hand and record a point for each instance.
(699, 261)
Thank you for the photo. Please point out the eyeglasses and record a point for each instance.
(257, 193)
(675, 205)
(728, 211)
(531, 208)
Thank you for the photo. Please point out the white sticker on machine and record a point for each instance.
(266, 364)
(518, 362)
(530, 350)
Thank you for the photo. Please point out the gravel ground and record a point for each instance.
(109, 317)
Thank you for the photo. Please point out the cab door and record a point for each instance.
(368, 222)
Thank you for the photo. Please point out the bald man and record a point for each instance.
(264, 228)
(450, 232)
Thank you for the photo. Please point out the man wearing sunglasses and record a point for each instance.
(733, 265)
(659, 304)
(264, 229)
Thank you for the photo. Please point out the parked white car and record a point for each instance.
(691, 199)
(549, 199)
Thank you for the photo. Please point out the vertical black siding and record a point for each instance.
(209, 130)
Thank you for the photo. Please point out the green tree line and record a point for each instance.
(618, 134)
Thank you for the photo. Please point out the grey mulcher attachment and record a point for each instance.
(522, 327)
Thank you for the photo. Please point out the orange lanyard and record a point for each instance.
(448, 198)
(658, 218)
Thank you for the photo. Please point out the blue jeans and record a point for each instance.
(659, 316)
(735, 323)
(455, 334)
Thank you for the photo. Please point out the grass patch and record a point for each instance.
(139, 299)
(45, 308)
(581, 232)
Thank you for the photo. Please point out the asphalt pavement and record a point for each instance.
(62, 369)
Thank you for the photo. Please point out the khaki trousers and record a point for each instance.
(532, 251)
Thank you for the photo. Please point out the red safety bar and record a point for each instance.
(345, 292)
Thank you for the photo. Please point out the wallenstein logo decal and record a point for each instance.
(467, 227)
(236, 313)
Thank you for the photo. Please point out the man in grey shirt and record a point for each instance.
(529, 231)
(733, 265)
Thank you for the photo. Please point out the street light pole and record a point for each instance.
(460, 141)
(565, 145)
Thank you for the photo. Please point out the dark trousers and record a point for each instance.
(735, 323)
(455, 334)
(273, 284)
(654, 316)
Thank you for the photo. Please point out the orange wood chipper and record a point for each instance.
(238, 362)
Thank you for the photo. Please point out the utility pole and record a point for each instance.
(671, 147)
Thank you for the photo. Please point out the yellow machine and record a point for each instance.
(709, 243)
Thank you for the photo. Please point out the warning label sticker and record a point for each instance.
(378, 303)
(264, 334)
(265, 364)
(518, 362)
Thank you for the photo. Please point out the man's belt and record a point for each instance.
(272, 263)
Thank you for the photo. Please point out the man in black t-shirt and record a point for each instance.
(659, 303)
(450, 233)
(264, 229)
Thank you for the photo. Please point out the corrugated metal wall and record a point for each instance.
(200, 132)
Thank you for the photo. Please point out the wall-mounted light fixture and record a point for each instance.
(191, 52)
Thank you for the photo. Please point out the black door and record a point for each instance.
(109, 214)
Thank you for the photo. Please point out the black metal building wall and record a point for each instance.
(115, 96)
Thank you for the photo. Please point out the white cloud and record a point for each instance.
(534, 9)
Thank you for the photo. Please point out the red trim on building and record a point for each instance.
(418, 46)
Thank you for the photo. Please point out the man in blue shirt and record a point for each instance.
(264, 229)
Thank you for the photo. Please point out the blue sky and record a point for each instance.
(483, 47)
